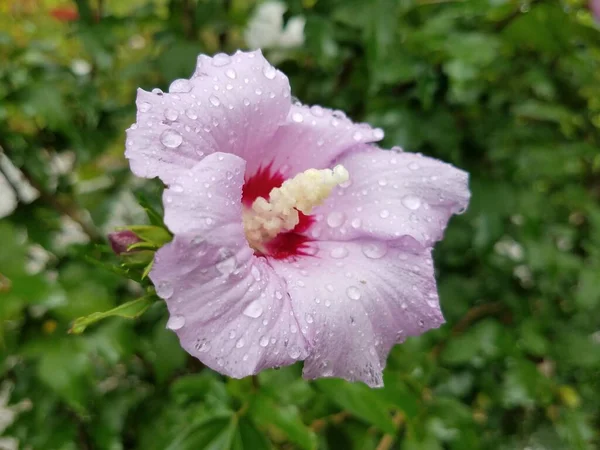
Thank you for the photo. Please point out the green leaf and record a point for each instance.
(360, 400)
(264, 411)
(129, 310)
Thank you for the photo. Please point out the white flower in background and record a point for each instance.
(13, 189)
(8, 414)
(266, 31)
(81, 67)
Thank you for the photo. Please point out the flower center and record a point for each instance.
(265, 219)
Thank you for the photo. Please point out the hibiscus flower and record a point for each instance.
(295, 237)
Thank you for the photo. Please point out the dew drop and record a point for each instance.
(264, 341)
(411, 202)
(279, 295)
(297, 117)
(413, 166)
(253, 310)
(171, 114)
(294, 352)
(356, 223)
(374, 250)
(309, 318)
(180, 86)
(177, 188)
(157, 91)
(258, 91)
(378, 133)
(202, 346)
(145, 107)
(171, 139)
(164, 289)
(214, 100)
(220, 60)
(339, 252)
(316, 111)
(384, 214)
(226, 266)
(191, 114)
(269, 72)
(357, 136)
(230, 73)
(232, 334)
(335, 219)
(353, 293)
(255, 273)
(175, 322)
(246, 102)
(240, 343)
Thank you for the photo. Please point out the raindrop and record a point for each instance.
(191, 114)
(309, 318)
(246, 102)
(145, 107)
(264, 341)
(279, 295)
(177, 188)
(356, 223)
(411, 202)
(353, 293)
(294, 352)
(226, 266)
(231, 73)
(297, 117)
(157, 91)
(316, 111)
(240, 343)
(220, 60)
(175, 322)
(258, 91)
(269, 72)
(339, 252)
(180, 86)
(202, 345)
(384, 214)
(255, 273)
(335, 219)
(171, 114)
(232, 334)
(171, 138)
(253, 310)
(357, 136)
(378, 133)
(164, 289)
(214, 100)
(374, 250)
(413, 166)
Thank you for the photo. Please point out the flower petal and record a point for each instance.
(355, 300)
(312, 137)
(393, 195)
(228, 307)
(231, 104)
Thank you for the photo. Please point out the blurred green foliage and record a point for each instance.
(508, 90)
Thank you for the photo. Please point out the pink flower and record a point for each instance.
(332, 268)
(595, 9)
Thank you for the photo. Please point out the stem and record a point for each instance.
(387, 440)
(335, 419)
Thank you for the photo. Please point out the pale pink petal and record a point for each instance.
(312, 137)
(355, 300)
(231, 104)
(228, 307)
(392, 195)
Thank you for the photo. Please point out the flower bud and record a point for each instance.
(120, 241)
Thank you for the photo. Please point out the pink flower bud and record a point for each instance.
(120, 241)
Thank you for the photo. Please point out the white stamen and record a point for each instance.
(308, 189)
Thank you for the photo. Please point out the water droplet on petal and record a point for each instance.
(335, 219)
(357, 136)
(316, 111)
(164, 290)
(374, 250)
(177, 188)
(411, 202)
(339, 252)
(297, 117)
(279, 295)
(214, 100)
(231, 73)
(253, 310)
(145, 107)
(264, 341)
(353, 293)
(191, 114)
(413, 166)
(175, 322)
(309, 318)
(157, 91)
(180, 86)
(171, 114)
(356, 223)
(378, 133)
(294, 352)
(171, 139)
(384, 214)
(220, 60)
(227, 265)
(269, 72)
(246, 102)
(202, 345)
(240, 343)
(255, 273)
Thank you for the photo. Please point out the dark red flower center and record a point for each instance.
(286, 244)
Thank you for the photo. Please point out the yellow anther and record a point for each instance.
(279, 213)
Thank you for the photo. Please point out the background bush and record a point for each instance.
(508, 90)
